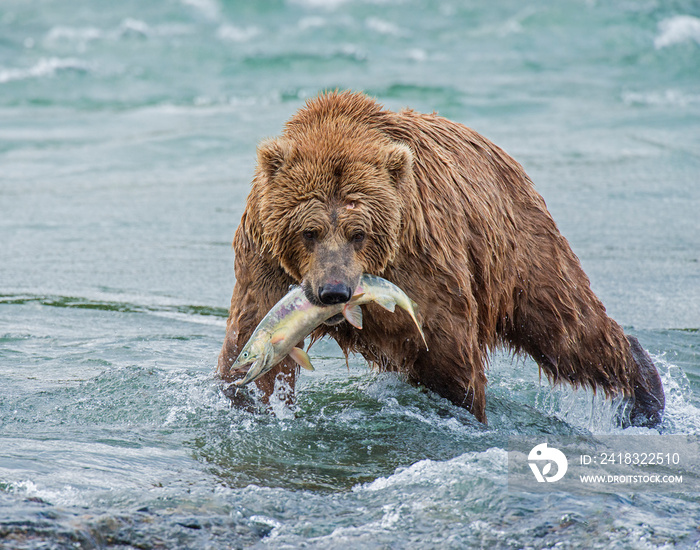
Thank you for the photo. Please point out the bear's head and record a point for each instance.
(331, 205)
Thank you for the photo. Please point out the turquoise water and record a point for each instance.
(127, 142)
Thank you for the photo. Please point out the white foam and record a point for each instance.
(72, 34)
(665, 98)
(80, 37)
(417, 54)
(488, 464)
(676, 30)
(190, 318)
(512, 25)
(45, 67)
(430, 483)
(334, 4)
(319, 4)
(312, 22)
(268, 522)
(133, 27)
(149, 304)
(382, 27)
(208, 8)
(232, 33)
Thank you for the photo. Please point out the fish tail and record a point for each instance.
(412, 309)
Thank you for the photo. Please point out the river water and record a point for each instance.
(127, 143)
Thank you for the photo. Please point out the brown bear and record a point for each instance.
(449, 217)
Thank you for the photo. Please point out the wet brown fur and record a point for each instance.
(447, 216)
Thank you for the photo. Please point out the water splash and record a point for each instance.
(280, 399)
(681, 414)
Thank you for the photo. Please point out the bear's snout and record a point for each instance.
(334, 293)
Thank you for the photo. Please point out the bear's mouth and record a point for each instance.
(310, 296)
(335, 320)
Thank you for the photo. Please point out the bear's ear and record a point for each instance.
(272, 154)
(399, 162)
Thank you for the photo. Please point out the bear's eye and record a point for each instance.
(358, 237)
(309, 235)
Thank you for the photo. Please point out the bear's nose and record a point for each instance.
(334, 293)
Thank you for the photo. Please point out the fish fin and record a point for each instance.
(387, 303)
(269, 354)
(357, 296)
(301, 357)
(276, 338)
(354, 315)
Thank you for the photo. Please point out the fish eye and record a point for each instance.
(244, 355)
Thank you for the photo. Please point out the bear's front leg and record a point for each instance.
(277, 384)
(452, 366)
(454, 379)
(649, 399)
(259, 286)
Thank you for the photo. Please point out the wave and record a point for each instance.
(210, 9)
(45, 67)
(677, 30)
(319, 4)
(128, 28)
(191, 313)
(382, 26)
(264, 61)
(131, 28)
(489, 464)
(231, 33)
(666, 98)
(72, 34)
(419, 92)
